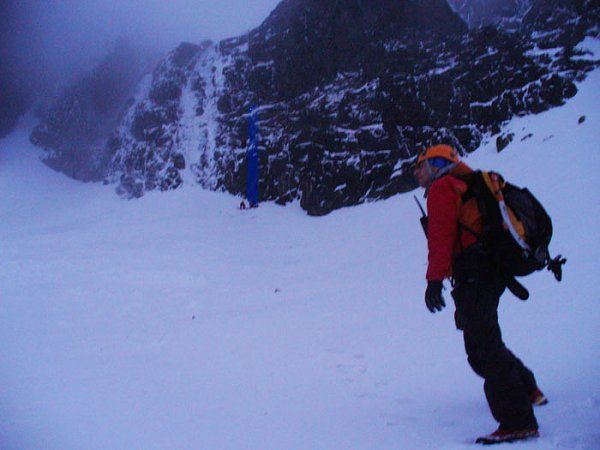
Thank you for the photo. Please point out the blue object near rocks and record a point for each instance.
(252, 159)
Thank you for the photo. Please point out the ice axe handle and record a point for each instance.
(555, 266)
(423, 218)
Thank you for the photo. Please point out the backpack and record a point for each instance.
(517, 229)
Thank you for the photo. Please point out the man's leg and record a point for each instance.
(527, 376)
(505, 389)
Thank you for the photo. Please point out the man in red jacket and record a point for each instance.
(457, 251)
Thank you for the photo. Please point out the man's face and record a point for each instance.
(424, 174)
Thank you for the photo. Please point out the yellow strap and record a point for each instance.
(509, 219)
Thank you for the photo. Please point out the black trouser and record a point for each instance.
(508, 383)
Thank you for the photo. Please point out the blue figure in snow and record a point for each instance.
(252, 159)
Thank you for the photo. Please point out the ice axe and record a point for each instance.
(423, 218)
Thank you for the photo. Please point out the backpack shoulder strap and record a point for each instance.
(495, 183)
(471, 180)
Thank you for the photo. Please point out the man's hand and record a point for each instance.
(433, 296)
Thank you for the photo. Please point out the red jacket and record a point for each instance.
(446, 210)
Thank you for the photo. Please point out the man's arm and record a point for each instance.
(442, 228)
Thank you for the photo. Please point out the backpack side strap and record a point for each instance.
(517, 289)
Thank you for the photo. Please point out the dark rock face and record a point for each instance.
(310, 42)
(351, 137)
(296, 67)
(74, 128)
(547, 18)
(550, 15)
(346, 93)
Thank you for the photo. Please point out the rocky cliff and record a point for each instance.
(346, 93)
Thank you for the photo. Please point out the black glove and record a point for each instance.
(555, 266)
(433, 296)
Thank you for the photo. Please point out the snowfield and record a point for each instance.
(178, 321)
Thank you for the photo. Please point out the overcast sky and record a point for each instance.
(69, 35)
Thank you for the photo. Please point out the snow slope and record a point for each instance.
(179, 322)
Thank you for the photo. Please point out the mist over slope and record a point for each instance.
(178, 321)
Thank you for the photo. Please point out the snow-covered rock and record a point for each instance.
(346, 94)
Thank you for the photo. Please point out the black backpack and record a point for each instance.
(517, 229)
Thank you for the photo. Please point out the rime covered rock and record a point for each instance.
(346, 92)
(150, 141)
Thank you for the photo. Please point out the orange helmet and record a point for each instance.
(439, 151)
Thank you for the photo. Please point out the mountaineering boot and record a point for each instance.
(538, 398)
(499, 436)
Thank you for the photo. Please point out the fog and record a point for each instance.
(47, 42)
